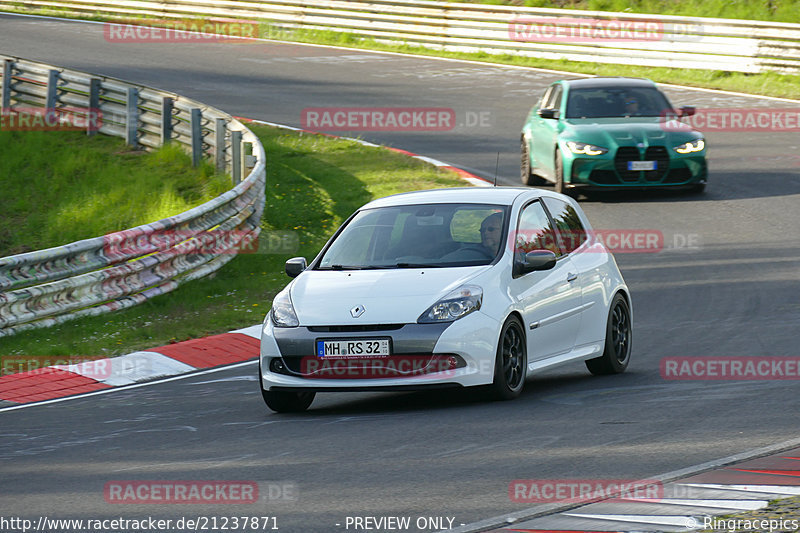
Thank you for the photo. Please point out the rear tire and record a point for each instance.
(619, 334)
(527, 177)
(510, 362)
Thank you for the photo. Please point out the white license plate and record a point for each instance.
(642, 165)
(353, 348)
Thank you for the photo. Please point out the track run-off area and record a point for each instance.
(724, 284)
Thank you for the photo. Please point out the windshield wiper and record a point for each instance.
(416, 265)
(340, 267)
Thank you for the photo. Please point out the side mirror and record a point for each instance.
(534, 260)
(547, 113)
(688, 110)
(295, 266)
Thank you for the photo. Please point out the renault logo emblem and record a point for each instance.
(357, 311)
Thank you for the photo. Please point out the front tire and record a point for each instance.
(288, 402)
(511, 361)
(527, 177)
(285, 402)
(558, 164)
(619, 330)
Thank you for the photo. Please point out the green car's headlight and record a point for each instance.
(585, 149)
(692, 146)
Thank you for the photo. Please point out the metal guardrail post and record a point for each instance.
(197, 136)
(236, 157)
(132, 127)
(220, 132)
(8, 72)
(94, 103)
(52, 89)
(167, 104)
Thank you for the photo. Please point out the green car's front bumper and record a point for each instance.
(610, 170)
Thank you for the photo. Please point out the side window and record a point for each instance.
(554, 101)
(545, 97)
(568, 223)
(534, 231)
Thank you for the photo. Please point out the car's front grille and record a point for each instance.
(355, 328)
(660, 155)
(625, 154)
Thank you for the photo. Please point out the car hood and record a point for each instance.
(396, 296)
(616, 131)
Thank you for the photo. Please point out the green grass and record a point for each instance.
(313, 184)
(60, 187)
(773, 10)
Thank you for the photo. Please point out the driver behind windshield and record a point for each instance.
(491, 233)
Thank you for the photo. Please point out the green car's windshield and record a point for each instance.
(608, 102)
(418, 236)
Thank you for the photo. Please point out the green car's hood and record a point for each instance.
(620, 131)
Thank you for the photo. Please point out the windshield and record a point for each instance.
(409, 236)
(606, 102)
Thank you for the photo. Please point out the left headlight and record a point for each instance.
(585, 149)
(456, 304)
(692, 146)
(282, 312)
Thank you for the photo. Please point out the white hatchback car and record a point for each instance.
(447, 288)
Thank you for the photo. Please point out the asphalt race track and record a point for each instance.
(725, 284)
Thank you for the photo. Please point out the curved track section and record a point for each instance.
(731, 293)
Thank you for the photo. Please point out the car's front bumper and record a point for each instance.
(419, 360)
(609, 172)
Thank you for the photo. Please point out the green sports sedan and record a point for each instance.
(611, 133)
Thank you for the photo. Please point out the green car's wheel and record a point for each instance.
(526, 172)
(559, 166)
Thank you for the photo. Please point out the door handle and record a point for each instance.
(572, 276)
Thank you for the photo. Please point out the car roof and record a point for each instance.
(616, 81)
(467, 195)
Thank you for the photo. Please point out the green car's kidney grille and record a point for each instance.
(661, 156)
(625, 154)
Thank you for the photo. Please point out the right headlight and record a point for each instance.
(692, 146)
(282, 312)
(456, 304)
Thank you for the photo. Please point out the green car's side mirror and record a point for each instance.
(548, 113)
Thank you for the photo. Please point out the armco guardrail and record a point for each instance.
(122, 269)
(650, 40)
